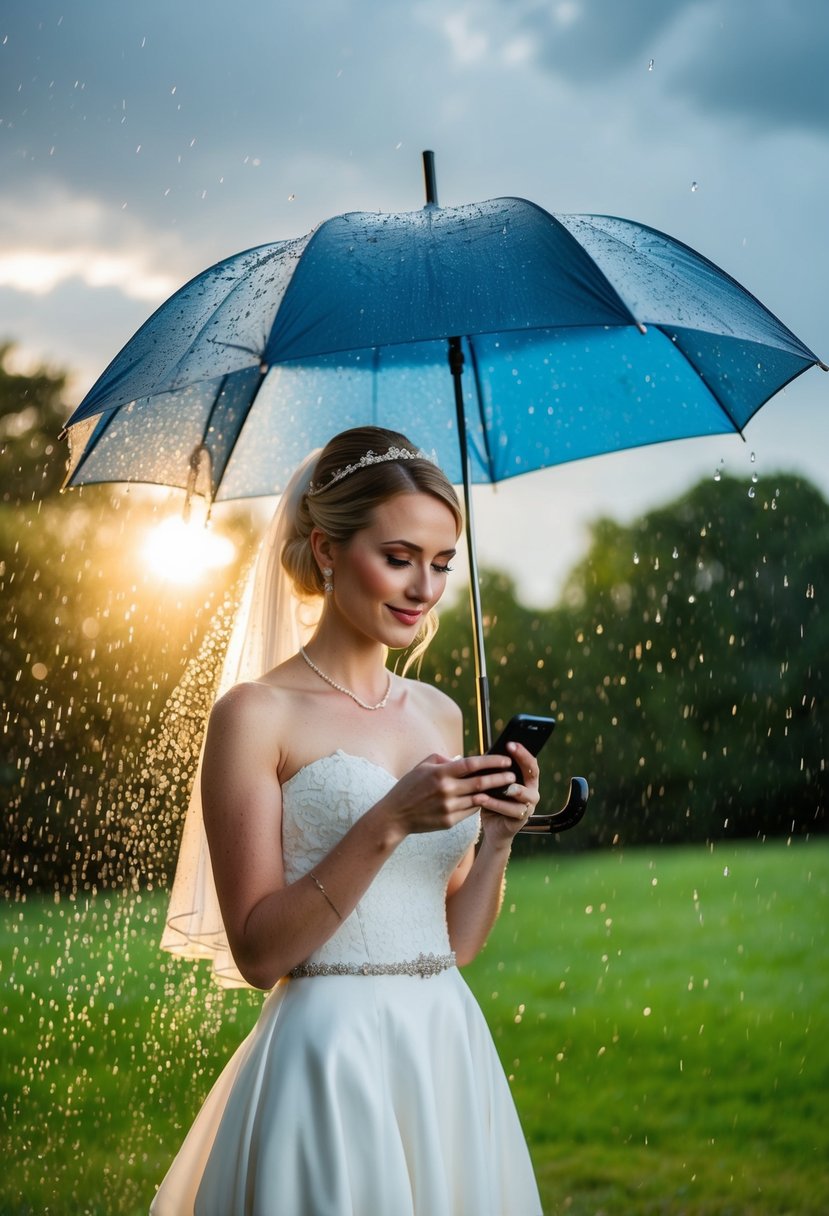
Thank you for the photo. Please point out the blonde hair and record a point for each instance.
(346, 506)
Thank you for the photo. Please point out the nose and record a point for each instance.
(420, 588)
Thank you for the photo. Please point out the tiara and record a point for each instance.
(368, 459)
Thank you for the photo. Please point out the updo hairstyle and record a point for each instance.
(346, 507)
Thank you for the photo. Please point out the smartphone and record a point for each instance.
(530, 729)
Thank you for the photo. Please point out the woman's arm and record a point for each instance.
(271, 926)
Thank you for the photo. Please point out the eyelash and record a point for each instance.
(398, 562)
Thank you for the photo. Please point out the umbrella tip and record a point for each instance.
(430, 180)
(822, 366)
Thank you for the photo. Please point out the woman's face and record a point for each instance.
(389, 575)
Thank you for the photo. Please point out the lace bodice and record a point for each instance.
(403, 912)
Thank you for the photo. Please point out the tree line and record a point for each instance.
(684, 662)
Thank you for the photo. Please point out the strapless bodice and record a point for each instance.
(402, 914)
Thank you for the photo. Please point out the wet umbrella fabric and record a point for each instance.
(270, 352)
(579, 334)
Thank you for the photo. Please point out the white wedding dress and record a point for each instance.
(370, 1092)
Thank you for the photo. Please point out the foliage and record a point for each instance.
(662, 1015)
(686, 666)
(31, 415)
(91, 648)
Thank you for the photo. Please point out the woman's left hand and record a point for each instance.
(502, 818)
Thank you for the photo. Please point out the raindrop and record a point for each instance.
(694, 187)
(650, 65)
(717, 475)
(725, 872)
(675, 553)
(753, 457)
(636, 559)
(751, 491)
(291, 198)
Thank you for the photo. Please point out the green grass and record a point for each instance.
(663, 1016)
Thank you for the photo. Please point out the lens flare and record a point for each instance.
(184, 552)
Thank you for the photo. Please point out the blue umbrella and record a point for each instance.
(566, 335)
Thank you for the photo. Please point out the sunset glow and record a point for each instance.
(182, 553)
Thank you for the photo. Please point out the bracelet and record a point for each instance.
(325, 895)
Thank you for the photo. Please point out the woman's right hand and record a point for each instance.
(440, 792)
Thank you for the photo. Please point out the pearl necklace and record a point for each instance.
(347, 691)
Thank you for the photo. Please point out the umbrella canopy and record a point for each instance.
(581, 334)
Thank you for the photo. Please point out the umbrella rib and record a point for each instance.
(205, 431)
(611, 286)
(375, 376)
(239, 283)
(679, 283)
(735, 426)
(232, 448)
(106, 419)
(473, 358)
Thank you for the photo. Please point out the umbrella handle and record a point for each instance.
(570, 814)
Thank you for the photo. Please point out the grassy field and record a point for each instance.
(663, 1016)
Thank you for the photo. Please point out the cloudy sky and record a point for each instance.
(141, 142)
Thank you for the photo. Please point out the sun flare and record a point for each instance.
(181, 552)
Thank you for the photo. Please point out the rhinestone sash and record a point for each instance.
(424, 966)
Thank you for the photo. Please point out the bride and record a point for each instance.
(358, 861)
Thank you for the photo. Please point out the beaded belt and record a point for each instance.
(424, 966)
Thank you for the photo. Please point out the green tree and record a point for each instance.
(91, 648)
(686, 666)
(31, 415)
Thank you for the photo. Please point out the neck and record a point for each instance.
(356, 661)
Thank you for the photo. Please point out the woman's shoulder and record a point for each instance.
(251, 699)
(435, 702)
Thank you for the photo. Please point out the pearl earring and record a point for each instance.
(327, 585)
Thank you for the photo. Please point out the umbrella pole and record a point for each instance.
(456, 361)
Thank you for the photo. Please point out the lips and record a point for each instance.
(406, 616)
